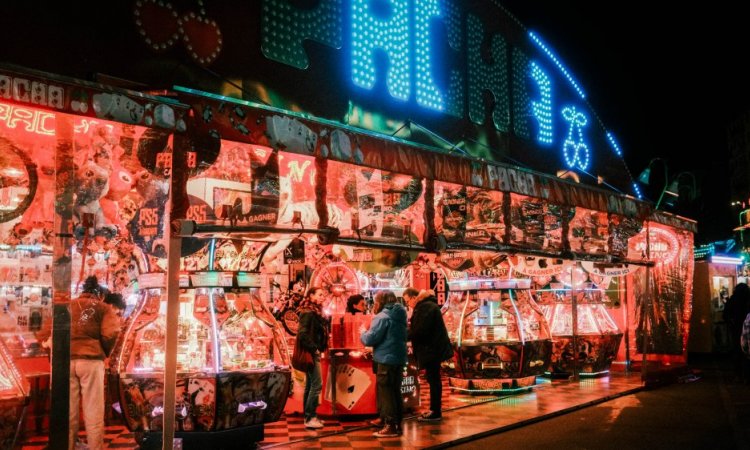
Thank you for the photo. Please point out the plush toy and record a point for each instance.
(92, 181)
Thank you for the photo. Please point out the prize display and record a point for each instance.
(501, 336)
(232, 361)
(597, 337)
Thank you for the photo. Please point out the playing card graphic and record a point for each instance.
(351, 384)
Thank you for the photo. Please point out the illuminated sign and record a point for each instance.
(40, 122)
(662, 245)
(402, 31)
(31, 91)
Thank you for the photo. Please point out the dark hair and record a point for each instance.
(383, 298)
(91, 286)
(411, 292)
(351, 301)
(313, 290)
(115, 299)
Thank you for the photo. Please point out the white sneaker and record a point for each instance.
(314, 423)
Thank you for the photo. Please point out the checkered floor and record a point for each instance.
(464, 415)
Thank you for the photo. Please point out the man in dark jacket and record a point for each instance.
(312, 336)
(431, 345)
(387, 337)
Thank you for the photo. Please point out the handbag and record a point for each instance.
(302, 360)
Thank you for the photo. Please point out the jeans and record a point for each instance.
(313, 386)
(432, 374)
(390, 400)
(87, 382)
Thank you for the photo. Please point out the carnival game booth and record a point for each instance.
(232, 362)
(715, 278)
(326, 195)
(594, 345)
(84, 170)
(501, 337)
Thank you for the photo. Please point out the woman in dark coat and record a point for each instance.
(313, 337)
(431, 345)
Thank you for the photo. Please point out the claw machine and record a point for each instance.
(233, 373)
(597, 338)
(501, 337)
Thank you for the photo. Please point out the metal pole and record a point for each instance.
(174, 248)
(574, 318)
(170, 353)
(61, 276)
(645, 307)
(626, 321)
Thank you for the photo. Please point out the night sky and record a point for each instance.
(665, 79)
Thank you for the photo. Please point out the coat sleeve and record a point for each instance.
(376, 334)
(420, 325)
(110, 328)
(305, 332)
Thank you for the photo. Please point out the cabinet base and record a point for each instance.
(237, 438)
(484, 385)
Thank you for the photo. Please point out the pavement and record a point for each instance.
(705, 408)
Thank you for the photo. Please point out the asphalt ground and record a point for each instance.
(707, 408)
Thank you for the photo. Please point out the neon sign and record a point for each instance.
(40, 122)
(401, 30)
(662, 244)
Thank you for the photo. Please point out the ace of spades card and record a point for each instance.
(351, 384)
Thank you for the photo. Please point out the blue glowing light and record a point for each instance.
(557, 62)
(613, 143)
(521, 99)
(575, 150)
(428, 94)
(492, 77)
(543, 108)
(391, 36)
(453, 20)
(637, 191)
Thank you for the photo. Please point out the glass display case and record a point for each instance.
(25, 300)
(14, 391)
(597, 337)
(501, 337)
(232, 361)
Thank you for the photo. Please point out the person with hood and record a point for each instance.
(312, 336)
(430, 343)
(387, 337)
(93, 330)
(735, 311)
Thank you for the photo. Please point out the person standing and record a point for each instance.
(312, 336)
(745, 347)
(387, 337)
(431, 345)
(356, 304)
(735, 311)
(93, 330)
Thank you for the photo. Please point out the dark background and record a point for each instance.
(666, 78)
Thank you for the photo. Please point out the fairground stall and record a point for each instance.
(718, 268)
(93, 162)
(339, 200)
(358, 146)
(82, 193)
